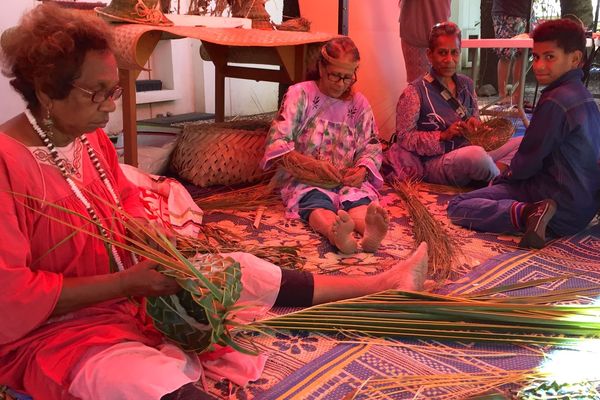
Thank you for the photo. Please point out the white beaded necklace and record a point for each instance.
(78, 193)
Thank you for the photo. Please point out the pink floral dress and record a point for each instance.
(342, 132)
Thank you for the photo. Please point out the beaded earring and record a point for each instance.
(48, 122)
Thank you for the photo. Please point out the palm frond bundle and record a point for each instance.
(492, 133)
(525, 320)
(305, 173)
(300, 24)
(243, 199)
(443, 249)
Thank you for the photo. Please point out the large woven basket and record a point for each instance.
(222, 153)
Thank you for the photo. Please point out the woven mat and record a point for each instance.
(127, 38)
(316, 366)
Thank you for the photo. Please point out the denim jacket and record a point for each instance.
(559, 156)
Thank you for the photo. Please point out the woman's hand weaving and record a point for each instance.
(355, 176)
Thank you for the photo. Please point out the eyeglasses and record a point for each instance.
(335, 78)
(100, 96)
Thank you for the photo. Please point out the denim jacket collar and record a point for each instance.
(574, 74)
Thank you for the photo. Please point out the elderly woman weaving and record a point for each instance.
(72, 321)
(326, 130)
(433, 116)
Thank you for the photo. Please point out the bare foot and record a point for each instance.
(376, 227)
(341, 233)
(409, 274)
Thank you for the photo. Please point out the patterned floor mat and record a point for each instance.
(315, 366)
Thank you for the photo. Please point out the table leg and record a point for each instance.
(127, 81)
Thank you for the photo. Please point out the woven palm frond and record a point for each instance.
(221, 154)
(492, 133)
(295, 24)
(305, 173)
(195, 318)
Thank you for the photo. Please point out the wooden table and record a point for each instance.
(290, 51)
(524, 44)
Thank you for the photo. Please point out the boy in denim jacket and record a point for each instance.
(553, 183)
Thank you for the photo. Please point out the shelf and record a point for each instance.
(154, 96)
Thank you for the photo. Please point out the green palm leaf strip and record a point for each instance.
(208, 294)
(434, 316)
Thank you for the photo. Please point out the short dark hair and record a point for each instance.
(444, 29)
(48, 47)
(568, 34)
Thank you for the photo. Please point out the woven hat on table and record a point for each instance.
(134, 11)
(221, 154)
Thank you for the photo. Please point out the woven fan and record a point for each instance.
(221, 154)
(196, 318)
(492, 133)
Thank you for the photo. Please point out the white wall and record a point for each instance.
(11, 103)
(375, 30)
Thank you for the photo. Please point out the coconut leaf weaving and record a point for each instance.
(196, 317)
(492, 133)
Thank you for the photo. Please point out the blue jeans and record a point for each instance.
(315, 199)
(487, 209)
(470, 163)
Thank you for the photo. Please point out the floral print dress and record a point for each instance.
(342, 132)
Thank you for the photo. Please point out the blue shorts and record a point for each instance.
(316, 199)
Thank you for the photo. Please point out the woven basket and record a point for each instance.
(253, 9)
(492, 133)
(221, 154)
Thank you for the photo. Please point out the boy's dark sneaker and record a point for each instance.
(537, 216)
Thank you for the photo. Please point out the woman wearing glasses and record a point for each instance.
(73, 322)
(432, 116)
(328, 128)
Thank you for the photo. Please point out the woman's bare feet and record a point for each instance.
(376, 227)
(409, 274)
(342, 233)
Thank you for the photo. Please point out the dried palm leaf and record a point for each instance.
(492, 133)
(443, 250)
(305, 172)
(294, 24)
(247, 198)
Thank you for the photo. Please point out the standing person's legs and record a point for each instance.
(491, 209)
(415, 61)
(461, 166)
(517, 67)
(505, 27)
(503, 66)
